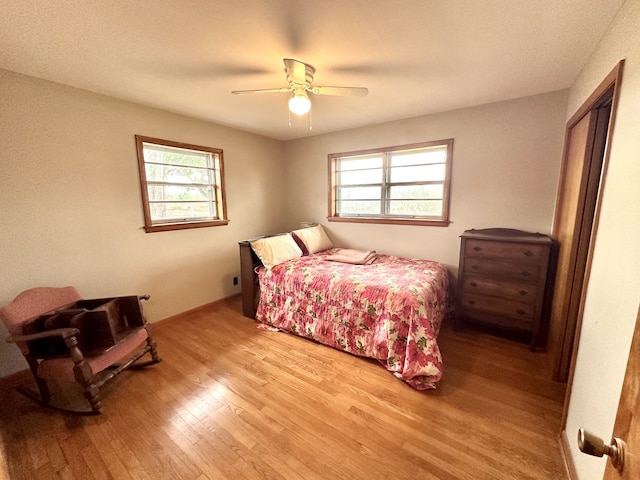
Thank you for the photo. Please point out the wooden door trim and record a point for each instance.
(564, 320)
(612, 81)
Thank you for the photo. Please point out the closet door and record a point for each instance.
(575, 210)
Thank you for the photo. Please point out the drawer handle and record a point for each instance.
(477, 249)
(526, 274)
(523, 292)
(473, 284)
(475, 267)
(471, 302)
(520, 311)
(528, 253)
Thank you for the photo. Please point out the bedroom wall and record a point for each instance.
(72, 210)
(506, 162)
(613, 292)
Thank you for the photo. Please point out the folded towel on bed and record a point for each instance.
(354, 257)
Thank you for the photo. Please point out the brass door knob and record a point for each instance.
(593, 445)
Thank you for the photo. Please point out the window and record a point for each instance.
(406, 185)
(182, 185)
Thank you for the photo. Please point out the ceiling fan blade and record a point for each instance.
(340, 91)
(264, 90)
(298, 72)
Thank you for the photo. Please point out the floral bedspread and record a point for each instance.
(390, 311)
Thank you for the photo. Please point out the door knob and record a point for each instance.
(592, 445)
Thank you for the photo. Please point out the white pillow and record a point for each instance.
(314, 238)
(274, 250)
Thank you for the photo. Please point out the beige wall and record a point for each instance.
(72, 212)
(613, 292)
(506, 161)
(71, 207)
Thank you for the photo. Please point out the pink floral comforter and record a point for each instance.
(390, 311)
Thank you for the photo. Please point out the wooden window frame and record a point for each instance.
(440, 221)
(218, 185)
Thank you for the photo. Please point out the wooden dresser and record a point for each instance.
(505, 281)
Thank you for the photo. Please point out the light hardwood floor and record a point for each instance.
(231, 401)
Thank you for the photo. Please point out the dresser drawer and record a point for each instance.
(523, 312)
(502, 288)
(499, 321)
(497, 267)
(524, 253)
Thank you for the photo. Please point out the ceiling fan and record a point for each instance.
(299, 75)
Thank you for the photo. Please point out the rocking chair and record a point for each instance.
(66, 338)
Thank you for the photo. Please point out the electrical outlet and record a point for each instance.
(235, 280)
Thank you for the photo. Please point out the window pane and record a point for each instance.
(418, 173)
(436, 155)
(182, 210)
(416, 192)
(175, 193)
(359, 207)
(402, 184)
(359, 163)
(176, 156)
(360, 177)
(182, 185)
(429, 208)
(172, 174)
(360, 193)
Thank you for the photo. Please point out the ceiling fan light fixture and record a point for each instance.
(299, 103)
(299, 76)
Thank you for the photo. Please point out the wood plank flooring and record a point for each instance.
(231, 401)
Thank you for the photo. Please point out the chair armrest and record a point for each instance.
(58, 332)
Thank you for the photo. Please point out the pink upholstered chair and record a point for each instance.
(54, 349)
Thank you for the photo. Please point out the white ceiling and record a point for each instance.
(415, 56)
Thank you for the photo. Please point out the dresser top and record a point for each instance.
(507, 235)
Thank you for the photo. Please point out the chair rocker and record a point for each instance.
(66, 338)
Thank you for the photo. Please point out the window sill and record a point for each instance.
(391, 221)
(183, 226)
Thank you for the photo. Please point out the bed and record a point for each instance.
(390, 309)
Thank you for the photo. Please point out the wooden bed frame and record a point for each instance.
(248, 262)
(248, 276)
